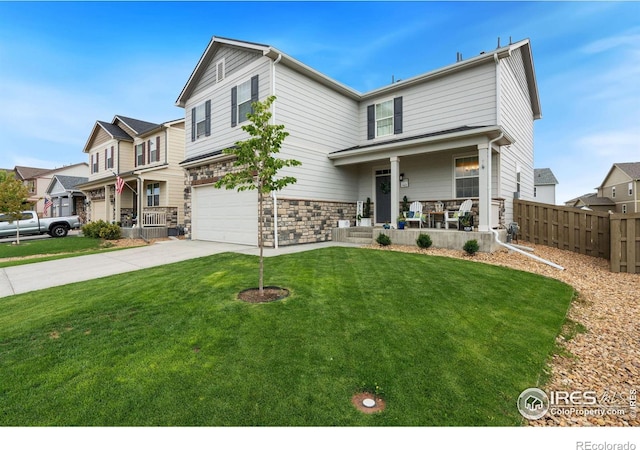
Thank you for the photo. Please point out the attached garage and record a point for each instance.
(224, 215)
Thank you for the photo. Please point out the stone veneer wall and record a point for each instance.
(299, 221)
(304, 221)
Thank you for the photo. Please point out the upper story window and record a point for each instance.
(242, 96)
(108, 158)
(140, 154)
(613, 192)
(624, 209)
(630, 188)
(201, 120)
(94, 162)
(467, 177)
(31, 186)
(154, 150)
(384, 118)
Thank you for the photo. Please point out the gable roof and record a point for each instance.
(69, 183)
(542, 177)
(138, 126)
(632, 170)
(282, 58)
(26, 173)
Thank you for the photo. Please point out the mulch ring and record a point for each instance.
(359, 397)
(271, 294)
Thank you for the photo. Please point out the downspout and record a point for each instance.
(529, 255)
(273, 121)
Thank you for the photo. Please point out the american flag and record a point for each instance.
(47, 205)
(119, 184)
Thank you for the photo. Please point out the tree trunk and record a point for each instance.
(260, 212)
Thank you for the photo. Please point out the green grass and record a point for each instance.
(449, 342)
(50, 249)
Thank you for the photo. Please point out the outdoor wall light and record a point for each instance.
(401, 176)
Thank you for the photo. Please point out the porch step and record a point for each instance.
(359, 235)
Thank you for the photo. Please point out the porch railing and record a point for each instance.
(154, 219)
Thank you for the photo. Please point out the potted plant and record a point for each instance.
(365, 219)
(405, 205)
(402, 220)
(466, 222)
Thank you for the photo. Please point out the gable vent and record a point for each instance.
(220, 71)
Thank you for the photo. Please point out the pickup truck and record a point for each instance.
(30, 223)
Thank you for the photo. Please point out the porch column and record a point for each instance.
(117, 204)
(484, 181)
(395, 188)
(139, 189)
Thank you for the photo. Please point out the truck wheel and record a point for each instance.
(58, 231)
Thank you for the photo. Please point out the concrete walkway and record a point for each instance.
(42, 275)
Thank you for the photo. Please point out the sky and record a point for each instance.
(65, 65)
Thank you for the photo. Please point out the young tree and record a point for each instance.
(13, 194)
(257, 166)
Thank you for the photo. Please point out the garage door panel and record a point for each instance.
(225, 215)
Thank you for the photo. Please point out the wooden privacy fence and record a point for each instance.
(625, 243)
(612, 236)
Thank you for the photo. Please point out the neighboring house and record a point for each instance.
(621, 185)
(462, 131)
(66, 198)
(37, 181)
(145, 155)
(544, 186)
(592, 202)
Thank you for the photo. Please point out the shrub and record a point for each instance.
(471, 247)
(383, 240)
(101, 229)
(424, 241)
(110, 232)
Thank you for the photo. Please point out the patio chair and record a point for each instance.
(415, 213)
(453, 216)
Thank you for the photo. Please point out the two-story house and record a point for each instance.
(544, 186)
(621, 186)
(464, 131)
(145, 157)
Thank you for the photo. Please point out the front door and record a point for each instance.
(383, 197)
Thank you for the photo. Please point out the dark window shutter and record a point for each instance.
(193, 124)
(106, 156)
(112, 157)
(143, 152)
(371, 121)
(158, 148)
(149, 151)
(91, 163)
(234, 106)
(207, 118)
(397, 115)
(254, 89)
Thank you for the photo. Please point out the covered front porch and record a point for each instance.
(439, 170)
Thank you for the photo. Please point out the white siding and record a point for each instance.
(466, 98)
(234, 59)
(517, 119)
(319, 121)
(223, 135)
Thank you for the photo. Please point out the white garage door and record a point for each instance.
(225, 215)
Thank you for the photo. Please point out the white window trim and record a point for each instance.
(630, 187)
(138, 163)
(152, 195)
(243, 117)
(624, 208)
(201, 108)
(455, 178)
(613, 192)
(377, 119)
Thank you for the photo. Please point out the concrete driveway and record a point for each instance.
(32, 277)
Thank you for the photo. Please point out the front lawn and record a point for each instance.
(38, 250)
(449, 342)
